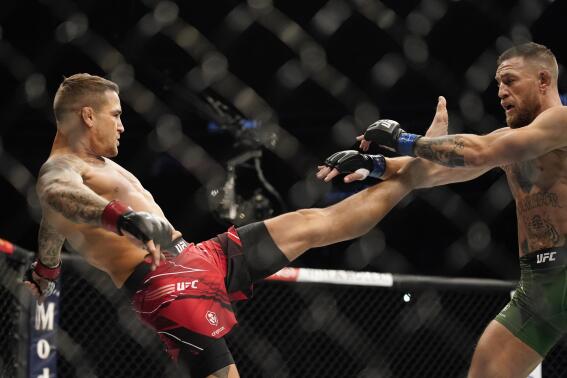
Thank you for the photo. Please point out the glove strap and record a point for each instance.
(111, 213)
(406, 143)
(379, 164)
(46, 272)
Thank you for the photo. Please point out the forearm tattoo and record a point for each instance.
(447, 150)
(49, 244)
(79, 206)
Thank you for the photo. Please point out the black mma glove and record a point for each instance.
(388, 133)
(119, 218)
(351, 161)
(45, 273)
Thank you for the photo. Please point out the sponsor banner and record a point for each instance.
(42, 347)
(337, 277)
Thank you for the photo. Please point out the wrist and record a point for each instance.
(406, 143)
(111, 215)
(379, 166)
(47, 272)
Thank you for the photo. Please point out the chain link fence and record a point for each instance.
(414, 329)
(314, 74)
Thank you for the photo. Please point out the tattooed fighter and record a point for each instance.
(532, 151)
(182, 290)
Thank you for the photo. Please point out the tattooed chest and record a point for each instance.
(535, 175)
(539, 187)
(541, 221)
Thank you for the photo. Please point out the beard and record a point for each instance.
(522, 117)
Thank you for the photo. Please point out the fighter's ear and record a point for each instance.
(87, 115)
(544, 78)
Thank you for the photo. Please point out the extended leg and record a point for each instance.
(298, 231)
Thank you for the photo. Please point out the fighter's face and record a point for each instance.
(518, 89)
(107, 125)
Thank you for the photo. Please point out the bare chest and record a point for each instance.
(544, 174)
(112, 182)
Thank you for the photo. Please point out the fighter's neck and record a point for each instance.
(62, 145)
(551, 101)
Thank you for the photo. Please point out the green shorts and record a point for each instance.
(537, 312)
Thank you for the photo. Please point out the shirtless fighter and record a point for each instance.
(182, 290)
(532, 151)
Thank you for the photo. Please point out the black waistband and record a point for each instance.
(135, 280)
(545, 258)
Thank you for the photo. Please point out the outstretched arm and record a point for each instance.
(421, 173)
(425, 174)
(546, 133)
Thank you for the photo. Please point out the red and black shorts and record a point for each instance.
(188, 298)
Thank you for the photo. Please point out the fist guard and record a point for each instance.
(388, 133)
(351, 161)
(119, 218)
(46, 273)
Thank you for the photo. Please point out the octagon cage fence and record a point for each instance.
(301, 322)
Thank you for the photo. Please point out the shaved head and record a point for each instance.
(78, 91)
(533, 53)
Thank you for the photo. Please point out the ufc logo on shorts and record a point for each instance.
(547, 256)
(187, 284)
(181, 246)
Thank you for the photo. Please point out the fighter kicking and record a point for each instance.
(184, 291)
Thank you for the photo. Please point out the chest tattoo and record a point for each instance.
(524, 174)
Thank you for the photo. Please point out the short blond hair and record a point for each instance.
(80, 90)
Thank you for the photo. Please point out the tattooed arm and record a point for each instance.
(48, 259)
(60, 189)
(546, 133)
(49, 244)
(60, 186)
(426, 174)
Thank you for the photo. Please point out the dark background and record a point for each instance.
(315, 73)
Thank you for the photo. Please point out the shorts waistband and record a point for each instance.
(136, 279)
(176, 247)
(545, 258)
